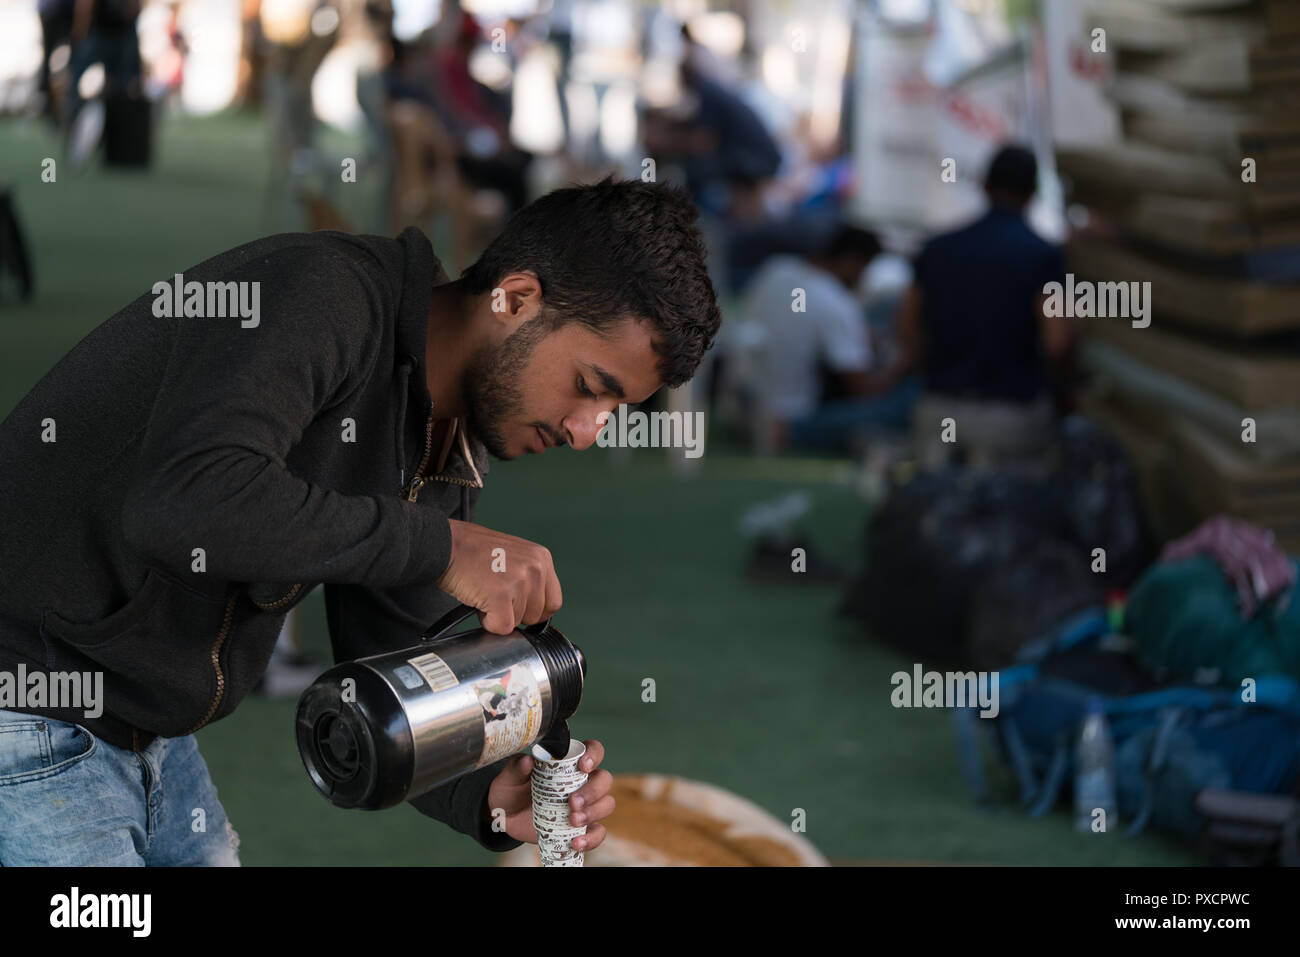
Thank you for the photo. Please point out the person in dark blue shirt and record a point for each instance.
(739, 149)
(973, 323)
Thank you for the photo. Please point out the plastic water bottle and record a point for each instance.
(1094, 770)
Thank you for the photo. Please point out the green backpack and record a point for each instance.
(1184, 617)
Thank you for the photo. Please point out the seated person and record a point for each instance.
(479, 118)
(973, 326)
(806, 319)
(726, 152)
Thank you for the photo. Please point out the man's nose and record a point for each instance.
(584, 428)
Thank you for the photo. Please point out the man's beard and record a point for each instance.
(492, 395)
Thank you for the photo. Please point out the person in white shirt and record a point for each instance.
(805, 324)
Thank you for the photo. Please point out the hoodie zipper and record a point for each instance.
(418, 480)
(216, 664)
(412, 490)
(272, 605)
(469, 457)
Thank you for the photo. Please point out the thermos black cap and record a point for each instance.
(358, 751)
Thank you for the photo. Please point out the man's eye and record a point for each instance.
(583, 390)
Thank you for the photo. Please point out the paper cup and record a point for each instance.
(552, 783)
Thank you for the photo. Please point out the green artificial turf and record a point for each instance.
(759, 690)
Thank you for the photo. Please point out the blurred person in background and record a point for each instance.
(726, 156)
(811, 341)
(559, 33)
(801, 211)
(726, 153)
(449, 134)
(168, 71)
(478, 117)
(56, 30)
(104, 32)
(431, 170)
(250, 77)
(425, 150)
(973, 325)
(373, 99)
(297, 45)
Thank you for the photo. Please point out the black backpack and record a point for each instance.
(964, 566)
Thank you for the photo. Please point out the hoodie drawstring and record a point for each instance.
(404, 391)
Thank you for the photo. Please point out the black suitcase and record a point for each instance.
(128, 130)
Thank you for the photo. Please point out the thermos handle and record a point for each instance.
(458, 614)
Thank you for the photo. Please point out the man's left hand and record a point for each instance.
(511, 791)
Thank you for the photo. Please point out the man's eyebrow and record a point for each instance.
(610, 382)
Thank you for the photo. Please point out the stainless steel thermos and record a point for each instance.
(381, 730)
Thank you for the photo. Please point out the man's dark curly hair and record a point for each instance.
(608, 252)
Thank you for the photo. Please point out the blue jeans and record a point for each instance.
(834, 423)
(68, 798)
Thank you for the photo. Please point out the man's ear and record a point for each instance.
(516, 299)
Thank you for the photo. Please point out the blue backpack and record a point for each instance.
(1170, 742)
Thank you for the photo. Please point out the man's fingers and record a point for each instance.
(540, 574)
(554, 597)
(517, 770)
(585, 842)
(594, 812)
(500, 618)
(595, 754)
(597, 787)
(536, 602)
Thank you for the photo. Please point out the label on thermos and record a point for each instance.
(435, 672)
(512, 712)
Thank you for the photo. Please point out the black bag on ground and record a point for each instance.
(1024, 597)
(1100, 499)
(933, 542)
(965, 566)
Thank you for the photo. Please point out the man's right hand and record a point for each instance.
(510, 580)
